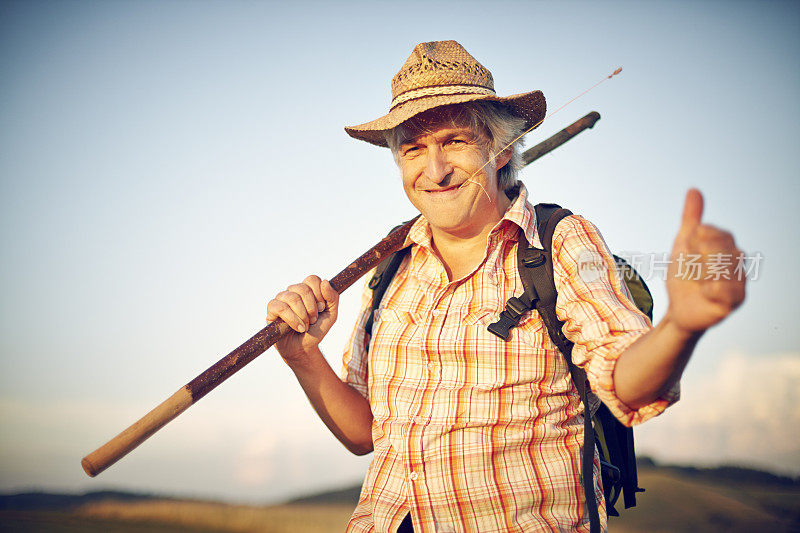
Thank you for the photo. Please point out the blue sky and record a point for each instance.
(167, 167)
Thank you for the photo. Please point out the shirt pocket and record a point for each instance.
(392, 334)
(480, 359)
(528, 330)
(532, 332)
(475, 358)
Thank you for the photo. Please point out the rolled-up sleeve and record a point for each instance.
(598, 314)
(354, 361)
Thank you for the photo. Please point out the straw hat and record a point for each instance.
(442, 73)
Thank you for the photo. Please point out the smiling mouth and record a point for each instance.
(446, 189)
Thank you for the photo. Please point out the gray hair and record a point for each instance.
(481, 116)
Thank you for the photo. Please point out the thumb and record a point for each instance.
(692, 211)
(331, 297)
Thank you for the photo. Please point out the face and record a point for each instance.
(449, 176)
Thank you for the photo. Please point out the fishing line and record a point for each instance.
(494, 157)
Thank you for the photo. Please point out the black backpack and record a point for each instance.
(614, 441)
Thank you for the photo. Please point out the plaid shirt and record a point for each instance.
(473, 433)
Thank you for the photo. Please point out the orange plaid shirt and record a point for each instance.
(473, 433)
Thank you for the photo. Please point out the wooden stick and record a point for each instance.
(548, 145)
(188, 395)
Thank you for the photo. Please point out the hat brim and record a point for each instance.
(530, 106)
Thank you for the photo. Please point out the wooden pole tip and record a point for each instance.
(88, 467)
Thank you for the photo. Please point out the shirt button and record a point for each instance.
(436, 312)
(419, 420)
(432, 366)
(413, 476)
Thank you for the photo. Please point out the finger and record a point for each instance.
(281, 309)
(331, 297)
(299, 319)
(273, 310)
(727, 293)
(314, 282)
(708, 239)
(692, 210)
(308, 299)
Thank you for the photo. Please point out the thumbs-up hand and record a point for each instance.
(704, 284)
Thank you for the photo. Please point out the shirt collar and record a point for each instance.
(520, 215)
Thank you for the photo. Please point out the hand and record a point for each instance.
(310, 309)
(703, 283)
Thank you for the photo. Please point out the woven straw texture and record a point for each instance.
(443, 73)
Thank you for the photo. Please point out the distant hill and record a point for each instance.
(726, 473)
(51, 501)
(345, 495)
(679, 499)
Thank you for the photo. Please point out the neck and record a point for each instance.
(462, 250)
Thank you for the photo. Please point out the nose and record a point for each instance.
(437, 167)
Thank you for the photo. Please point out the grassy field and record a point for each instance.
(175, 516)
(673, 502)
(71, 522)
(312, 518)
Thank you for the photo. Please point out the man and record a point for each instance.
(470, 432)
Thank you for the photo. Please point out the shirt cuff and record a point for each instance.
(600, 373)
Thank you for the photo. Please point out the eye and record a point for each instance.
(408, 150)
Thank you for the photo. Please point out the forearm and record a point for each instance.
(346, 413)
(653, 363)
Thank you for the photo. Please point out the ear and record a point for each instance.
(503, 159)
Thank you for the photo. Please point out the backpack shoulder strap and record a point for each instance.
(536, 271)
(384, 273)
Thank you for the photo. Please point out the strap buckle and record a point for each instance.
(533, 257)
(515, 308)
(509, 318)
(502, 328)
